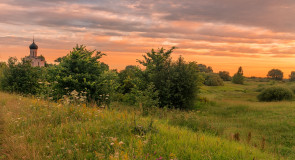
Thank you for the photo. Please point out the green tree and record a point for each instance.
(292, 76)
(224, 75)
(176, 83)
(21, 77)
(275, 74)
(130, 77)
(238, 78)
(81, 71)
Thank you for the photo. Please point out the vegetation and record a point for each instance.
(238, 78)
(177, 83)
(275, 74)
(81, 72)
(160, 112)
(21, 77)
(292, 76)
(224, 75)
(37, 129)
(275, 93)
(213, 79)
(204, 68)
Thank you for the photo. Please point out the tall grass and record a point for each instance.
(35, 129)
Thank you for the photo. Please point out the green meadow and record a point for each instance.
(229, 124)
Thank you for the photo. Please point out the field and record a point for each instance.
(231, 125)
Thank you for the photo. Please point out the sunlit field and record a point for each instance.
(36, 129)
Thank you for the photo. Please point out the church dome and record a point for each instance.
(33, 45)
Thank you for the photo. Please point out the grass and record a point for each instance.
(36, 129)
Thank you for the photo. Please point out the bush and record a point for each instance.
(224, 75)
(213, 79)
(275, 93)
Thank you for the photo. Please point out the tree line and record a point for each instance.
(80, 76)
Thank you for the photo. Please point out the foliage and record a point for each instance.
(275, 74)
(204, 68)
(238, 78)
(213, 79)
(2, 67)
(177, 82)
(224, 75)
(275, 93)
(129, 78)
(292, 76)
(81, 71)
(21, 77)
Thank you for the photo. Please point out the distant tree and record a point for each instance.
(213, 79)
(224, 75)
(204, 68)
(275, 74)
(238, 78)
(292, 76)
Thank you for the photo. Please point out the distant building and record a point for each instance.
(37, 61)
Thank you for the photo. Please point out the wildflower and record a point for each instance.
(120, 143)
(112, 143)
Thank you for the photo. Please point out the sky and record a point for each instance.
(258, 35)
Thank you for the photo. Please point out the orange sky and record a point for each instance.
(257, 35)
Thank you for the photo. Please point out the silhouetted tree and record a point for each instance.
(292, 76)
(204, 68)
(224, 75)
(275, 74)
(238, 78)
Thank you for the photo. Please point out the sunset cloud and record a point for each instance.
(208, 31)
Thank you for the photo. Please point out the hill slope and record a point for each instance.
(36, 129)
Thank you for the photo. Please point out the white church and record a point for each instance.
(36, 61)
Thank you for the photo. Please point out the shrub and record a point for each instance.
(213, 79)
(238, 78)
(275, 74)
(275, 93)
(224, 75)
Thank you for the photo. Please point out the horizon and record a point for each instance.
(258, 36)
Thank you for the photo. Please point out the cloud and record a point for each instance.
(228, 28)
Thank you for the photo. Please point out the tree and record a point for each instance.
(275, 74)
(176, 83)
(21, 77)
(292, 76)
(224, 75)
(204, 68)
(80, 71)
(129, 78)
(238, 78)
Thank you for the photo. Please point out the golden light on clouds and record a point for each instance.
(257, 36)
